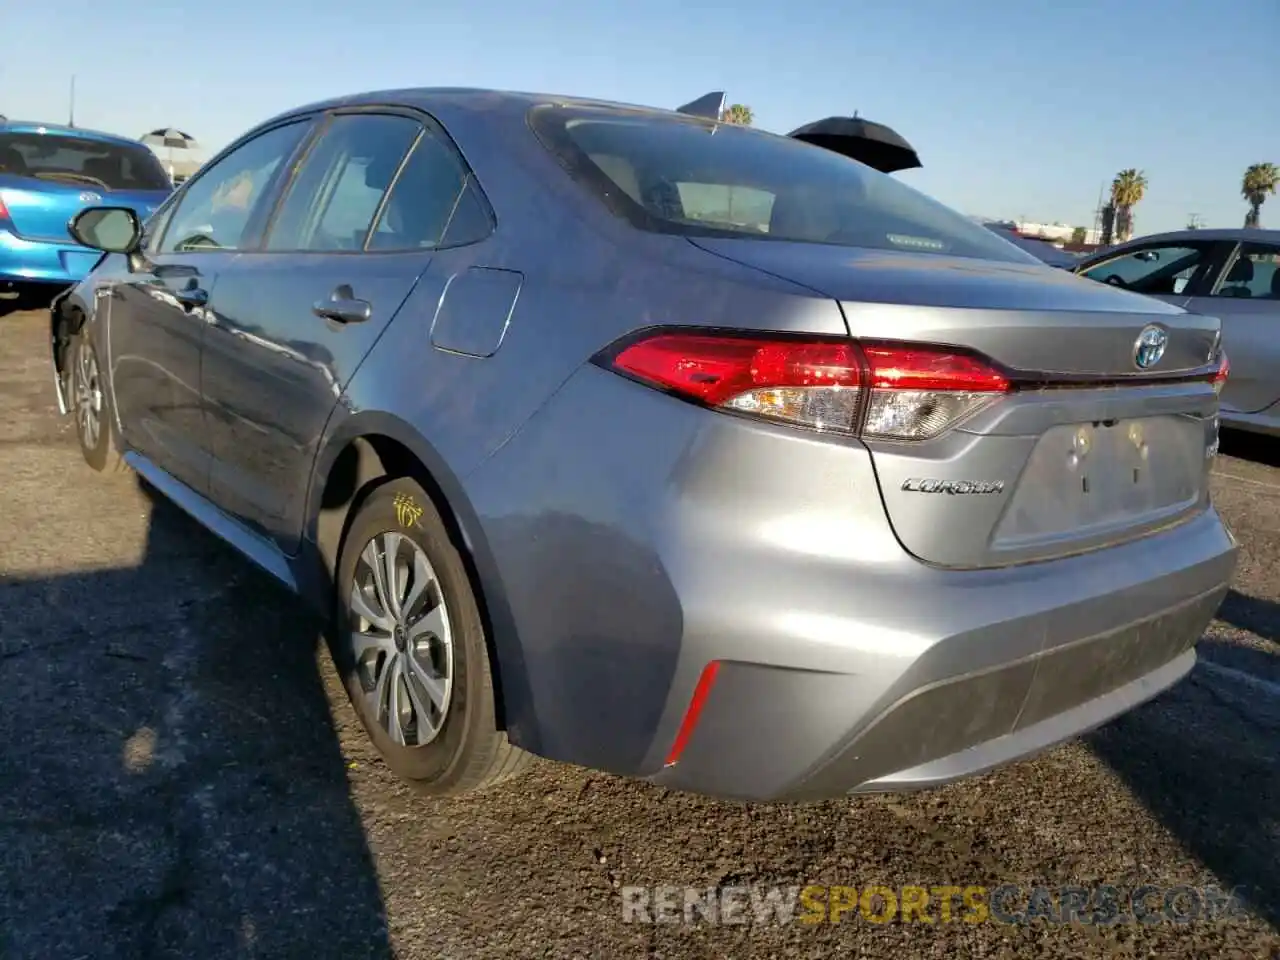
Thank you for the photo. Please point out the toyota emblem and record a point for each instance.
(1149, 347)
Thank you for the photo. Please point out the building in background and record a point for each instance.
(1055, 233)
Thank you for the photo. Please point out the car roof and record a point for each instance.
(468, 100)
(62, 130)
(1214, 233)
(466, 105)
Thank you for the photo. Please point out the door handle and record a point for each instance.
(192, 295)
(343, 306)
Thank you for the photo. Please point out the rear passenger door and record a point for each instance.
(1246, 297)
(348, 240)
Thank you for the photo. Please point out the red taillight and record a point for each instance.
(4, 211)
(1224, 370)
(903, 367)
(878, 390)
(717, 369)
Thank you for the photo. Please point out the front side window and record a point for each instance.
(81, 161)
(1253, 275)
(694, 177)
(334, 198)
(214, 210)
(1152, 270)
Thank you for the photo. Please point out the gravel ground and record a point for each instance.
(184, 778)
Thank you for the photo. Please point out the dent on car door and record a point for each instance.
(164, 305)
(354, 231)
(1246, 297)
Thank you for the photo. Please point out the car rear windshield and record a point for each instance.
(81, 160)
(683, 175)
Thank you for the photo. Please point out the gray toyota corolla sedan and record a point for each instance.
(669, 448)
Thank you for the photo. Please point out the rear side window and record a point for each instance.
(82, 161)
(1254, 274)
(684, 175)
(435, 202)
(333, 200)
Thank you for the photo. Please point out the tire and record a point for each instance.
(90, 400)
(459, 748)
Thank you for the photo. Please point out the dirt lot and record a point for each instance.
(183, 777)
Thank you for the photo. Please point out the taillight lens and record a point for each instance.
(919, 392)
(4, 211)
(1221, 374)
(879, 390)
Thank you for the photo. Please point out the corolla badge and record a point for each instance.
(952, 487)
(1149, 347)
(88, 197)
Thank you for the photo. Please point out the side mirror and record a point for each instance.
(111, 229)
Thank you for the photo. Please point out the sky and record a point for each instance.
(1019, 110)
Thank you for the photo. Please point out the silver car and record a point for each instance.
(1230, 274)
(669, 448)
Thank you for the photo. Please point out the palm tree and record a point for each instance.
(738, 113)
(1259, 180)
(1127, 191)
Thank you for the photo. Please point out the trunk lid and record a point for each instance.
(1088, 450)
(1026, 316)
(42, 209)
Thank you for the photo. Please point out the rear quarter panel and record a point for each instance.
(587, 279)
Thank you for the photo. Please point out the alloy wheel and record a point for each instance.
(402, 639)
(88, 396)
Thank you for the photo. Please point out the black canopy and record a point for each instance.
(878, 146)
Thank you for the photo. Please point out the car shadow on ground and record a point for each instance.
(173, 780)
(1250, 446)
(1212, 784)
(26, 299)
(1260, 617)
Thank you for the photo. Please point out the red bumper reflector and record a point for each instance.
(691, 715)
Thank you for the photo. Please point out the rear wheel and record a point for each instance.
(91, 406)
(409, 642)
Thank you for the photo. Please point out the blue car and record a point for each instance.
(48, 174)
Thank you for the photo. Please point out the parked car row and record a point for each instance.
(579, 463)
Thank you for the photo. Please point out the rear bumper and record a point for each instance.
(1088, 639)
(32, 261)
